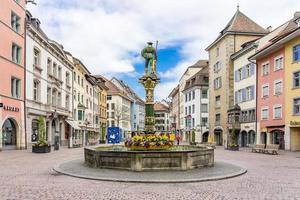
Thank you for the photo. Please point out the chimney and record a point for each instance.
(297, 15)
(269, 28)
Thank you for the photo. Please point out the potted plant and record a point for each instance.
(42, 146)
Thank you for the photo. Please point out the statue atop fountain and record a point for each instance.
(149, 81)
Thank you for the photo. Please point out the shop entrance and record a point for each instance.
(9, 134)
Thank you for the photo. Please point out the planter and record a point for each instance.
(41, 149)
(151, 148)
(102, 141)
(233, 148)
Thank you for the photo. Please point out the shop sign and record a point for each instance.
(295, 123)
(11, 108)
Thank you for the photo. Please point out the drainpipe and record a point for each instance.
(24, 83)
(256, 89)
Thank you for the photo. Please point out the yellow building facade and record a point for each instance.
(292, 91)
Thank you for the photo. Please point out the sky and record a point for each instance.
(108, 35)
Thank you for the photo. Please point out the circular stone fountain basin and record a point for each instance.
(176, 158)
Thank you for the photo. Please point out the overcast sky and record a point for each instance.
(108, 35)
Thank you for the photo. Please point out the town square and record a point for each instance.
(108, 99)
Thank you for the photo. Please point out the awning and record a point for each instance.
(73, 124)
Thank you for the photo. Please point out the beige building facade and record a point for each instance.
(239, 30)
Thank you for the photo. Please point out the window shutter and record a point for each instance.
(243, 72)
(236, 76)
(244, 94)
(236, 97)
(252, 92)
(252, 68)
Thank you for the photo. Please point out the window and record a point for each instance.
(218, 118)
(217, 66)
(193, 109)
(193, 94)
(68, 78)
(36, 58)
(49, 95)
(265, 69)
(15, 87)
(278, 63)
(36, 90)
(217, 83)
(186, 97)
(277, 87)
(78, 79)
(15, 22)
(54, 70)
(265, 90)
(296, 79)
(112, 106)
(87, 89)
(49, 66)
(218, 101)
(190, 96)
(59, 73)
(239, 74)
(87, 104)
(204, 108)
(193, 122)
(54, 97)
(204, 94)
(112, 115)
(218, 51)
(264, 113)
(204, 121)
(80, 115)
(296, 53)
(277, 112)
(112, 123)
(81, 82)
(74, 76)
(59, 99)
(247, 71)
(67, 102)
(190, 110)
(239, 96)
(296, 106)
(108, 97)
(82, 98)
(16, 53)
(249, 93)
(186, 111)
(91, 91)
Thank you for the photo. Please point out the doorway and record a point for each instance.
(9, 134)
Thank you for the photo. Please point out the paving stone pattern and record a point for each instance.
(28, 176)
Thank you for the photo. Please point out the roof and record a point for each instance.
(240, 24)
(198, 64)
(174, 91)
(288, 31)
(201, 78)
(160, 107)
(114, 90)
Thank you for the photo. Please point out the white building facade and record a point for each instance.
(196, 106)
(48, 85)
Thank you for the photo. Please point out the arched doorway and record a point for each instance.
(251, 137)
(244, 138)
(218, 133)
(205, 137)
(263, 138)
(278, 138)
(9, 134)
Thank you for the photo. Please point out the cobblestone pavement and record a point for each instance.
(24, 175)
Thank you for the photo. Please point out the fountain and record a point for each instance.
(149, 151)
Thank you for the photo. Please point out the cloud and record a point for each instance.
(107, 35)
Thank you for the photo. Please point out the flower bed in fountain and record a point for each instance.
(149, 142)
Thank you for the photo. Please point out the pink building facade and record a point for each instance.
(12, 87)
(270, 98)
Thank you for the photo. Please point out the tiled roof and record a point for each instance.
(240, 23)
(199, 79)
(160, 107)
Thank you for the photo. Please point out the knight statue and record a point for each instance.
(150, 56)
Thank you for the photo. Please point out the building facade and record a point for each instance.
(162, 120)
(196, 106)
(118, 109)
(174, 109)
(245, 86)
(12, 76)
(190, 71)
(49, 85)
(278, 88)
(239, 30)
(137, 105)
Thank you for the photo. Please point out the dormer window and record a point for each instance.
(298, 22)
